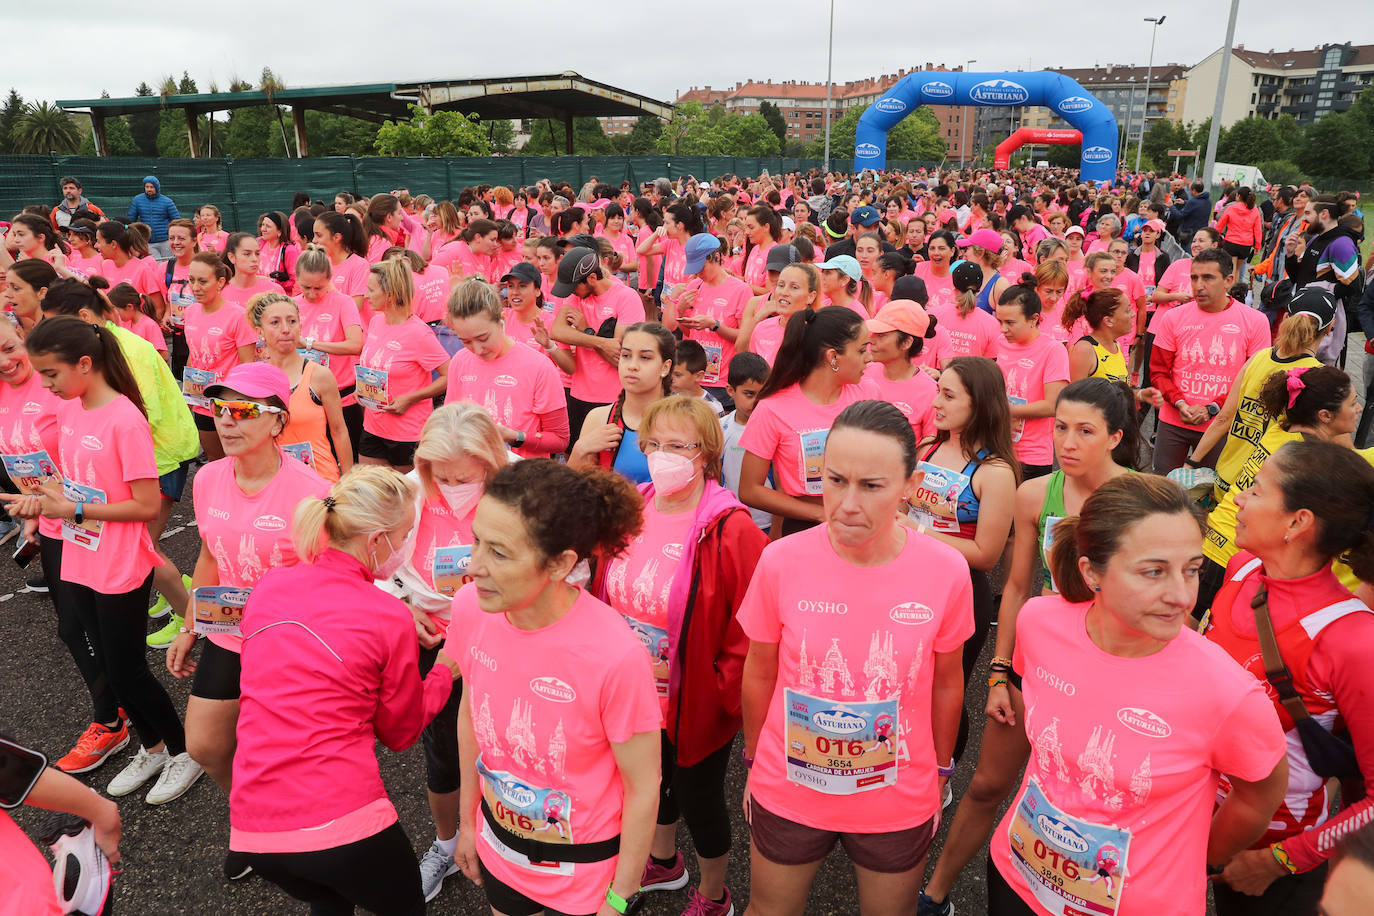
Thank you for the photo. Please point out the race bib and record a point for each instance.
(303, 452)
(1047, 542)
(318, 357)
(87, 534)
(936, 501)
(713, 354)
(1018, 424)
(219, 609)
(29, 472)
(813, 460)
(655, 642)
(372, 388)
(451, 568)
(840, 748)
(1073, 867)
(176, 312)
(193, 384)
(529, 812)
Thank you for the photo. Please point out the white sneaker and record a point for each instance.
(143, 767)
(179, 775)
(434, 868)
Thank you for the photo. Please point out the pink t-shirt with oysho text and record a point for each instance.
(101, 451)
(1124, 766)
(914, 397)
(847, 743)
(974, 334)
(767, 337)
(28, 439)
(515, 388)
(327, 320)
(724, 302)
(250, 534)
(1177, 279)
(547, 705)
(789, 430)
(135, 272)
(399, 358)
(594, 379)
(1210, 348)
(1027, 368)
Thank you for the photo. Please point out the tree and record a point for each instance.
(118, 140)
(187, 86)
(698, 131)
(1163, 136)
(1336, 148)
(144, 124)
(548, 138)
(773, 115)
(443, 133)
(44, 128)
(1291, 139)
(642, 138)
(331, 135)
(1249, 141)
(10, 113)
(501, 136)
(915, 137)
(248, 133)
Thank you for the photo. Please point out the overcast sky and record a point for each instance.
(631, 45)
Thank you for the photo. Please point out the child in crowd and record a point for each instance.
(744, 379)
(689, 368)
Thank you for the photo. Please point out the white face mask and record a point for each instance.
(399, 555)
(671, 473)
(461, 497)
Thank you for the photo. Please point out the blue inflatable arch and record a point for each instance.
(1059, 93)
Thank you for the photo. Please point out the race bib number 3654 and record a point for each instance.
(840, 748)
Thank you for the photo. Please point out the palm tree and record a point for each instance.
(45, 128)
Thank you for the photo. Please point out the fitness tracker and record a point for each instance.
(519, 438)
(80, 515)
(617, 902)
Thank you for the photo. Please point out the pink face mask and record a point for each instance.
(671, 473)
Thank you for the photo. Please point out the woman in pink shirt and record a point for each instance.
(1012, 266)
(972, 331)
(1036, 369)
(851, 695)
(328, 656)
(277, 254)
(559, 724)
(1134, 720)
(106, 495)
(935, 273)
(384, 227)
(516, 385)
(181, 239)
(790, 291)
(401, 370)
(680, 223)
(819, 371)
(341, 236)
(117, 245)
(26, 283)
(762, 229)
(129, 305)
(897, 335)
(211, 236)
(83, 260)
(331, 332)
(242, 255)
(217, 339)
(34, 237)
(621, 241)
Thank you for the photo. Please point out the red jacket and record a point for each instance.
(708, 650)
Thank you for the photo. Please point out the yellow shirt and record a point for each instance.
(1110, 366)
(1343, 572)
(1250, 421)
(175, 440)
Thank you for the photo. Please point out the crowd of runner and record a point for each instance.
(592, 489)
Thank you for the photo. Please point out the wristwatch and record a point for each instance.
(1213, 410)
(309, 343)
(717, 327)
(519, 438)
(80, 515)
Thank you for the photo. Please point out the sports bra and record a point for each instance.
(966, 505)
(985, 295)
(1110, 366)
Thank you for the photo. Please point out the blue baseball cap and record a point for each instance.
(865, 216)
(847, 265)
(698, 248)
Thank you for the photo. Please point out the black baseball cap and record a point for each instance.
(913, 288)
(523, 271)
(575, 267)
(967, 277)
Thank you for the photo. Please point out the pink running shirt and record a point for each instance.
(29, 441)
(327, 320)
(974, 334)
(398, 358)
(1027, 368)
(914, 397)
(724, 302)
(596, 380)
(515, 388)
(1209, 350)
(213, 341)
(789, 430)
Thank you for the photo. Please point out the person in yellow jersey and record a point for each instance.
(1243, 421)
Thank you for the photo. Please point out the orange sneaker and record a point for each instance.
(96, 743)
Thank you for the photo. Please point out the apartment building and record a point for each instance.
(1123, 90)
(1306, 83)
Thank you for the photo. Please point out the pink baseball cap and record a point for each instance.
(990, 239)
(945, 215)
(900, 315)
(253, 380)
(1156, 224)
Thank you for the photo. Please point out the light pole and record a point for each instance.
(1149, 72)
(829, 69)
(963, 124)
(1214, 135)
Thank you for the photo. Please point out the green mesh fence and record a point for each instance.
(244, 188)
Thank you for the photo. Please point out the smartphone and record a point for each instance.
(25, 552)
(20, 768)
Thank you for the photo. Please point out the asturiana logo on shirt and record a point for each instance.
(92, 443)
(911, 614)
(999, 92)
(393, 345)
(269, 523)
(551, 688)
(30, 408)
(867, 151)
(1097, 154)
(1075, 103)
(506, 381)
(839, 721)
(325, 318)
(1143, 722)
(672, 551)
(1061, 834)
(937, 89)
(896, 106)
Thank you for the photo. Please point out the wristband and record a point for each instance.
(1192, 462)
(748, 761)
(999, 660)
(717, 327)
(946, 772)
(1281, 856)
(996, 681)
(520, 438)
(79, 516)
(617, 902)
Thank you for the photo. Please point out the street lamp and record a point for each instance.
(963, 124)
(829, 70)
(1149, 71)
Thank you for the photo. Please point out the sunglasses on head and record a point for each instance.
(241, 410)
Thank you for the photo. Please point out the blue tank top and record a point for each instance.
(629, 460)
(985, 296)
(966, 511)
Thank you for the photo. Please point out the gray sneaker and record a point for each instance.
(434, 868)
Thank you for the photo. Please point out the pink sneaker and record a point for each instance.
(700, 906)
(658, 878)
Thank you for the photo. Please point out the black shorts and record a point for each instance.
(1032, 471)
(217, 673)
(173, 483)
(1237, 251)
(204, 422)
(396, 454)
(505, 899)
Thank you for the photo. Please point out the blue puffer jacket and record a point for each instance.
(157, 211)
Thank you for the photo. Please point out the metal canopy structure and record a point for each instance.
(560, 96)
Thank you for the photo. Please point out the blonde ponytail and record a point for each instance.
(368, 499)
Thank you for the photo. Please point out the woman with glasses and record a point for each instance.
(678, 586)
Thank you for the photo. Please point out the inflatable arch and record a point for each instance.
(1045, 88)
(1022, 136)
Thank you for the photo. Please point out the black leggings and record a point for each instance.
(441, 735)
(697, 795)
(1291, 895)
(117, 626)
(973, 648)
(379, 874)
(70, 631)
(1002, 900)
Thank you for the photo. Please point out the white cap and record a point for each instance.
(789, 224)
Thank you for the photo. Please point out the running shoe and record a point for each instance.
(143, 767)
(168, 634)
(236, 866)
(180, 773)
(37, 583)
(96, 744)
(698, 905)
(927, 907)
(660, 878)
(81, 874)
(162, 607)
(434, 868)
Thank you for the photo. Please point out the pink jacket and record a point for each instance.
(330, 665)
